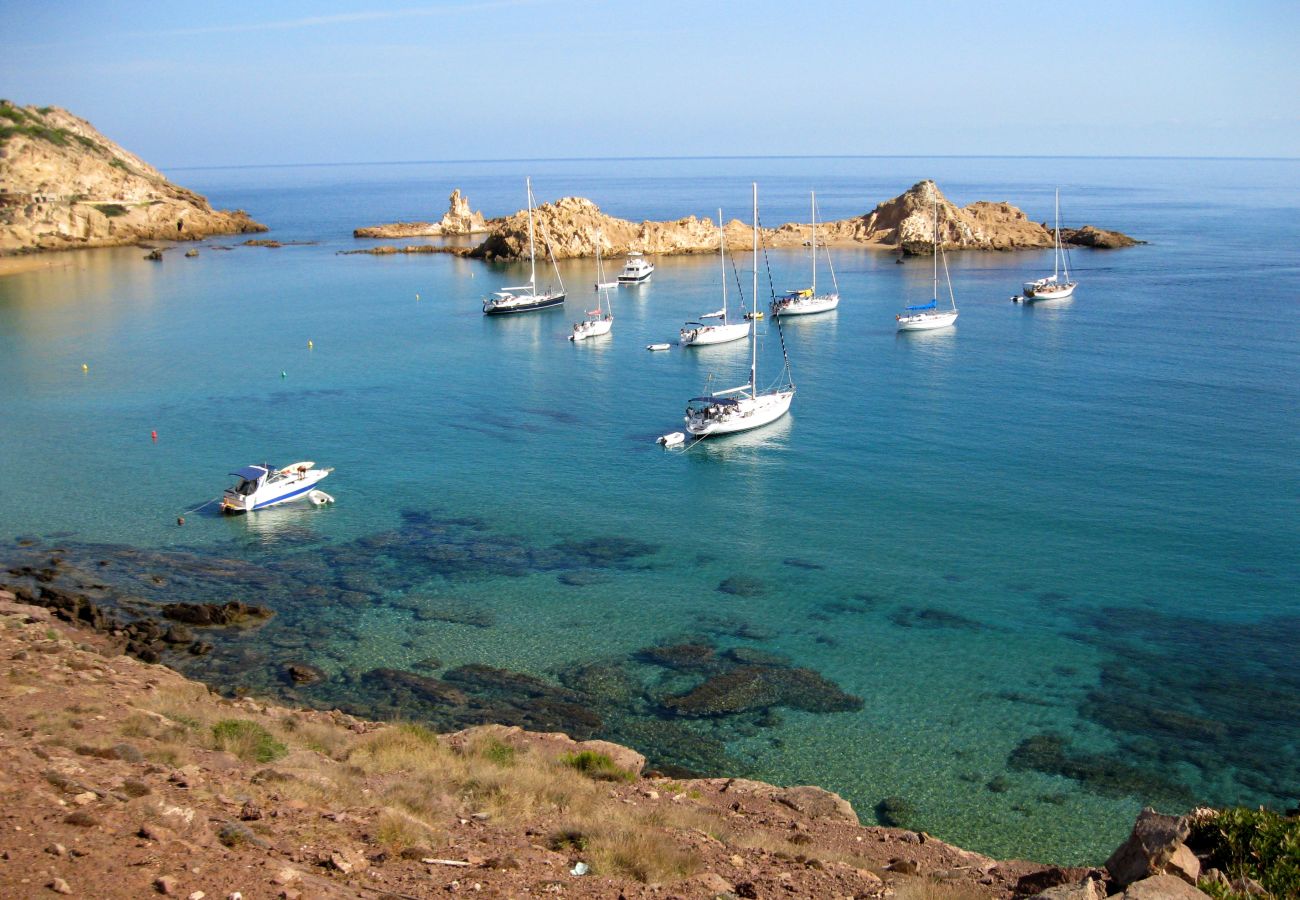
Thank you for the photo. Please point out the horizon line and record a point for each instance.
(413, 162)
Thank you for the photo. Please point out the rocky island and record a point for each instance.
(457, 220)
(905, 224)
(63, 185)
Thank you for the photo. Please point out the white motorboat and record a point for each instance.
(264, 485)
(601, 319)
(807, 301)
(636, 270)
(658, 346)
(927, 316)
(745, 407)
(525, 297)
(1052, 287)
(699, 334)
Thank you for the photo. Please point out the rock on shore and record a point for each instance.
(571, 226)
(457, 220)
(64, 185)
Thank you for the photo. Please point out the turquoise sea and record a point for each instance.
(1054, 552)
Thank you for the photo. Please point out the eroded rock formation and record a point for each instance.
(458, 219)
(64, 185)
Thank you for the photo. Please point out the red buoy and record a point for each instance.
(154, 435)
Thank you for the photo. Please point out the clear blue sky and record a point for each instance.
(186, 84)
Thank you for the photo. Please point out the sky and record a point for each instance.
(204, 84)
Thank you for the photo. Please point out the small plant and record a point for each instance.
(247, 740)
(567, 839)
(51, 634)
(596, 765)
(498, 752)
(112, 210)
(1255, 843)
(119, 164)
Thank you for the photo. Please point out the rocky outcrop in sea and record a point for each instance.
(457, 220)
(63, 185)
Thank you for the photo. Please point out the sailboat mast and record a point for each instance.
(753, 322)
(532, 247)
(722, 243)
(936, 245)
(1056, 262)
(813, 203)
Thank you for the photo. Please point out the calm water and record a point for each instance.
(1053, 550)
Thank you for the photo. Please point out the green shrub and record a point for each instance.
(1257, 843)
(567, 839)
(247, 740)
(112, 210)
(498, 752)
(118, 164)
(596, 765)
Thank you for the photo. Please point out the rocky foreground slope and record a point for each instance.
(120, 778)
(64, 185)
(572, 226)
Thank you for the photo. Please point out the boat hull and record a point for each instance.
(1055, 292)
(591, 328)
(714, 334)
(927, 321)
(635, 279)
(494, 308)
(266, 497)
(811, 306)
(751, 413)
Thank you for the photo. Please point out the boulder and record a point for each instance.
(818, 803)
(1153, 843)
(1088, 889)
(1162, 887)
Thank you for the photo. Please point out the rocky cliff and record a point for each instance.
(571, 226)
(457, 220)
(64, 185)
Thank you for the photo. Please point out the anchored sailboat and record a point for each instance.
(697, 334)
(926, 316)
(525, 298)
(1051, 287)
(745, 407)
(806, 300)
(601, 319)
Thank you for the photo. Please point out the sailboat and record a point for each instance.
(745, 407)
(806, 300)
(926, 316)
(1051, 287)
(525, 297)
(697, 334)
(601, 319)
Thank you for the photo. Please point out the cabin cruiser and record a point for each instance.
(264, 485)
(636, 270)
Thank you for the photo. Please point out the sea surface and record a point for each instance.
(1024, 575)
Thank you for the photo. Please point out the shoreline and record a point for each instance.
(263, 793)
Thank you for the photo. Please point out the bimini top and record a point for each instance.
(717, 401)
(252, 473)
(931, 305)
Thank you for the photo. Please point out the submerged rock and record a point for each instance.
(748, 688)
(743, 586)
(233, 612)
(895, 812)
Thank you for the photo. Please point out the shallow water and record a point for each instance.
(1075, 519)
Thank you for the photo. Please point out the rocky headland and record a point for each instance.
(457, 220)
(63, 185)
(572, 226)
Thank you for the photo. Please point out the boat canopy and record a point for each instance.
(802, 292)
(715, 400)
(252, 473)
(931, 305)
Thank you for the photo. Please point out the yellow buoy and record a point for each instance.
(417, 298)
(85, 368)
(310, 345)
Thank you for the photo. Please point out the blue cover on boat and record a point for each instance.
(930, 305)
(720, 401)
(252, 473)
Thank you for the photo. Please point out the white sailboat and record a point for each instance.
(1051, 287)
(601, 319)
(806, 300)
(525, 297)
(926, 316)
(697, 334)
(745, 407)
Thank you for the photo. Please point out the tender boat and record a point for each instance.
(745, 407)
(1052, 287)
(657, 346)
(601, 319)
(264, 485)
(925, 316)
(525, 297)
(636, 270)
(699, 334)
(806, 301)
